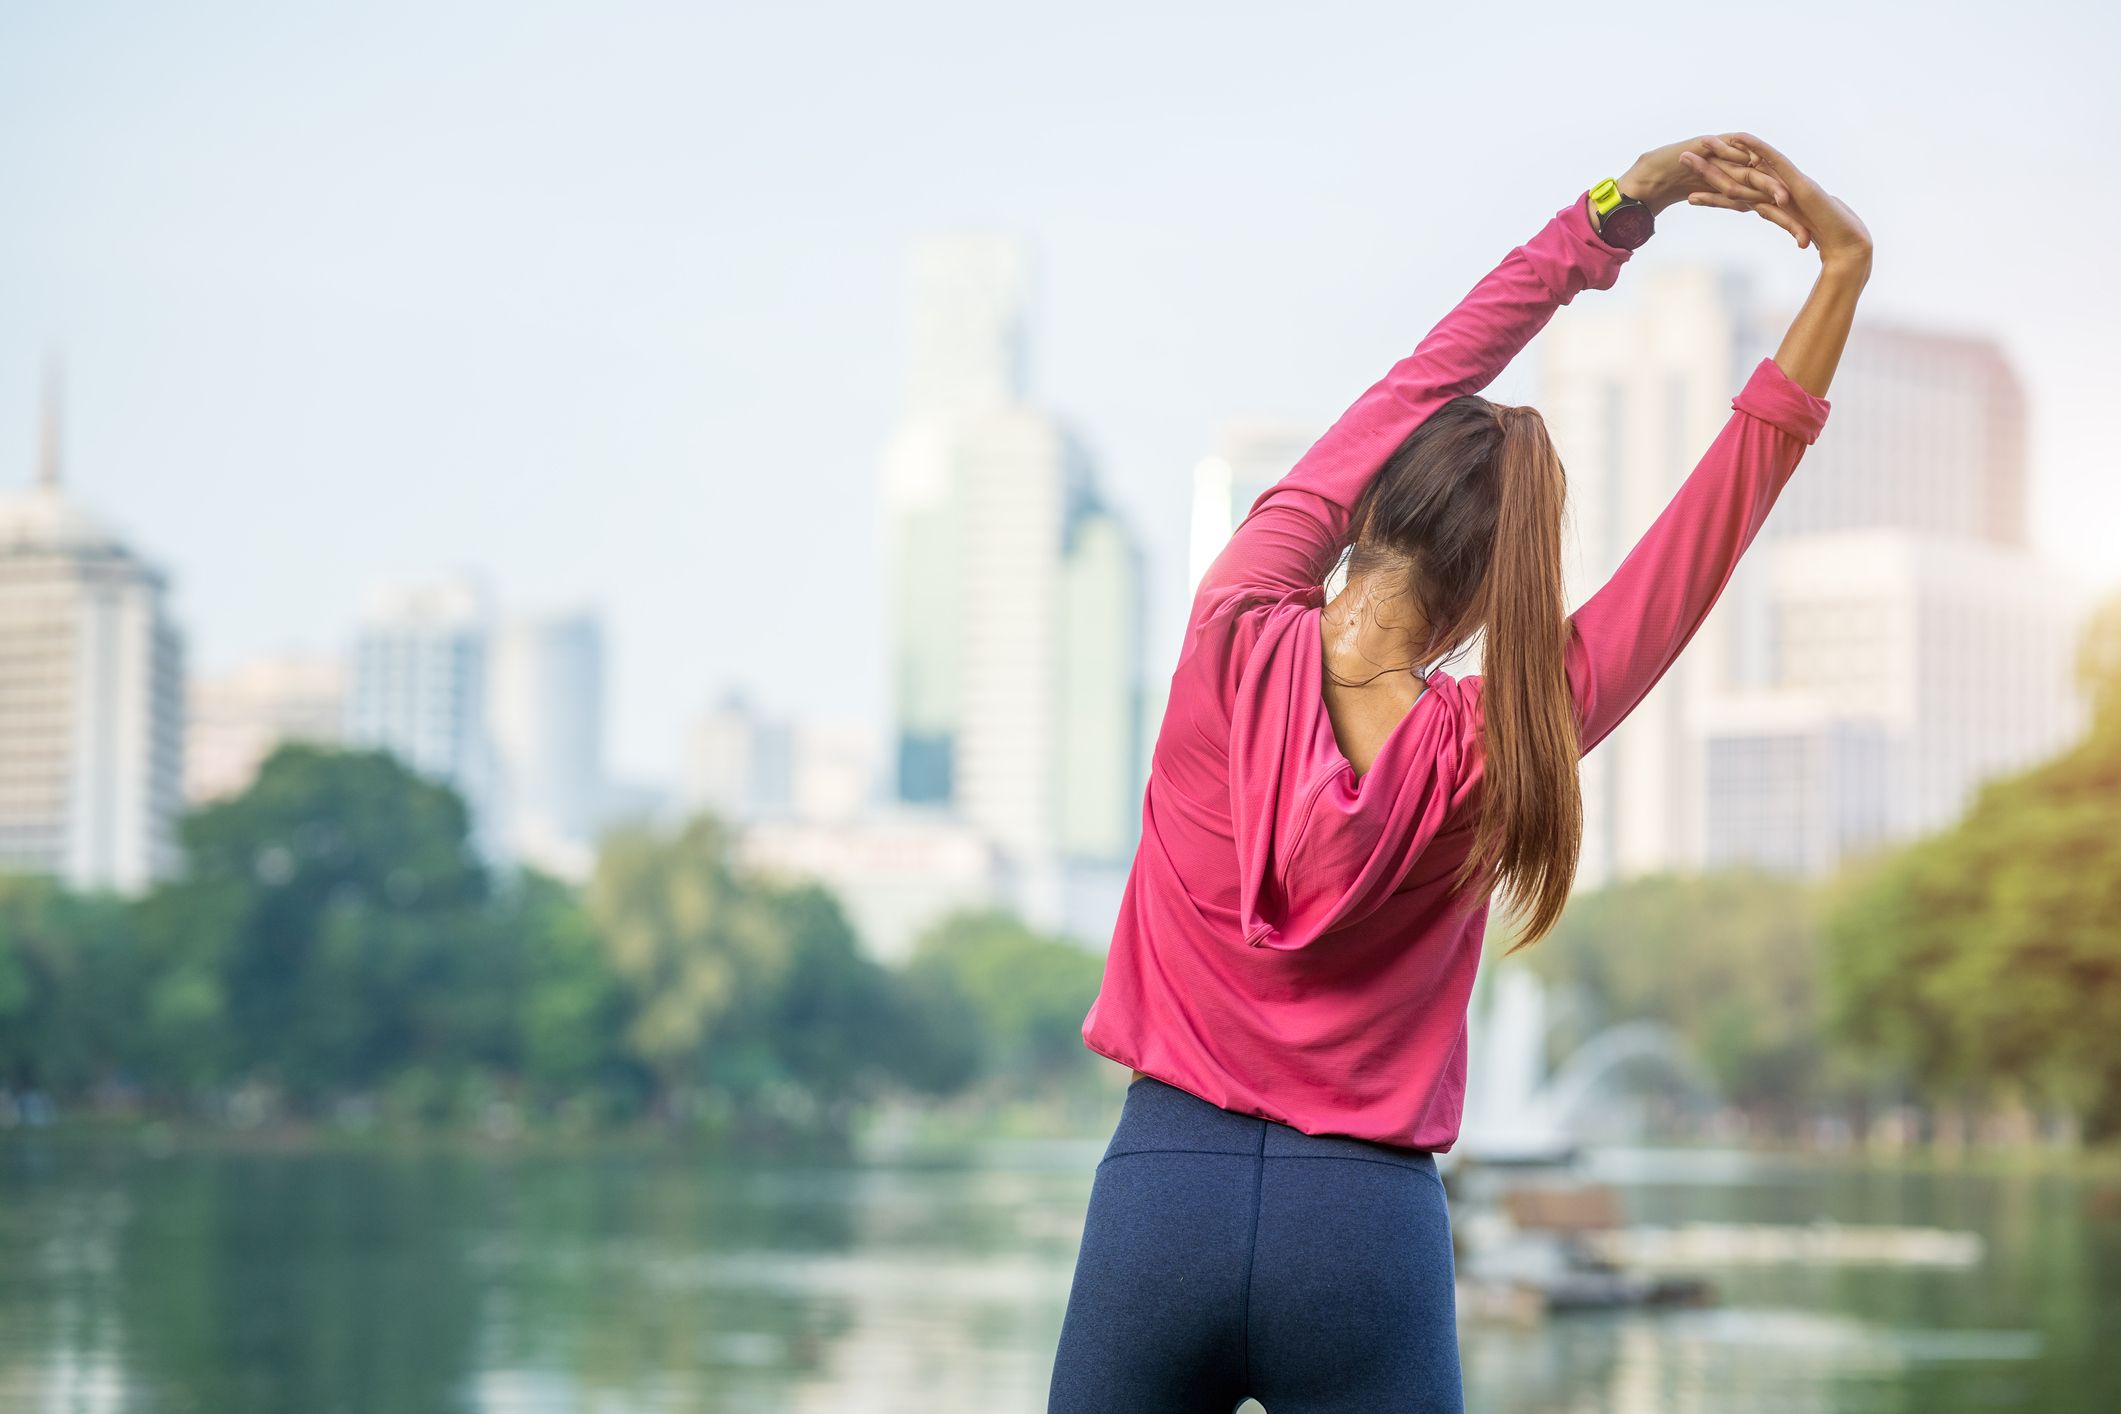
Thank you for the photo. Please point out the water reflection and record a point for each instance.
(402, 1282)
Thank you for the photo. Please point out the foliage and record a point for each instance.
(68, 999)
(1985, 961)
(1729, 961)
(335, 939)
(744, 989)
(1013, 998)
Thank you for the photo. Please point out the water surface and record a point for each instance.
(227, 1280)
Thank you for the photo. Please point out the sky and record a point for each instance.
(609, 303)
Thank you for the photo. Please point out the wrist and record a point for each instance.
(1846, 264)
(1638, 183)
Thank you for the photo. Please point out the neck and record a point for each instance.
(1369, 630)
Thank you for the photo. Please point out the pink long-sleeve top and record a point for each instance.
(1289, 944)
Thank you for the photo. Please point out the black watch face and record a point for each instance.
(1627, 225)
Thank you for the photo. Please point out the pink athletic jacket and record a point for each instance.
(1289, 944)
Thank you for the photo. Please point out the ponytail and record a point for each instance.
(1531, 821)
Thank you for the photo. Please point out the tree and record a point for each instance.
(327, 932)
(1015, 996)
(68, 1000)
(749, 992)
(1987, 959)
(1729, 961)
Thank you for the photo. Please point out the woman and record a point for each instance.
(1328, 815)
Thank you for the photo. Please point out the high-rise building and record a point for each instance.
(91, 694)
(970, 302)
(1846, 689)
(1928, 434)
(1250, 456)
(739, 763)
(1792, 785)
(896, 871)
(1634, 390)
(750, 766)
(545, 715)
(1101, 687)
(419, 690)
(1014, 592)
(235, 719)
(1961, 650)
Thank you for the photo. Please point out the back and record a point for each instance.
(1290, 944)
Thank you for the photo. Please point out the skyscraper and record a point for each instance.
(1928, 435)
(419, 690)
(91, 693)
(1250, 456)
(1886, 645)
(1101, 704)
(739, 762)
(545, 714)
(1014, 591)
(1633, 390)
(970, 299)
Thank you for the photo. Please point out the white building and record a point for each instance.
(545, 716)
(1928, 434)
(1634, 389)
(1962, 651)
(235, 719)
(896, 872)
(1794, 786)
(1888, 642)
(91, 695)
(739, 763)
(1101, 689)
(419, 690)
(1014, 594)
(746, 766)
(1250, 456)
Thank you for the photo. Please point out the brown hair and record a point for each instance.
(1466, 513)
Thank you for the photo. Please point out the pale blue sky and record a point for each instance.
(609, 300)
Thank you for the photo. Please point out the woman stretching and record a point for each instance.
(1328, 814)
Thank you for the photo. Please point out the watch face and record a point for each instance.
(1627, 225)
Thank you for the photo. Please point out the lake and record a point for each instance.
(228, 1279)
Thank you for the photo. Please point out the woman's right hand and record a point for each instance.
(1811, 213)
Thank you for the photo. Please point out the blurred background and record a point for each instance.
(586, 595)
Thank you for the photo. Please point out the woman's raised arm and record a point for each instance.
(1295, 524)
(1629, 632)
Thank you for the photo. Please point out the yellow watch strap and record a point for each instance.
(1605, 196)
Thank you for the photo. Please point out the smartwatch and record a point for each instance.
(1622, 220)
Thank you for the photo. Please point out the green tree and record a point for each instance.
(750, 993)
(1730, 961)
(327, 932)
(1014, 996)
(1987, 959)
(69, 1003)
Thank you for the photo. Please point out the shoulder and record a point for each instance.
(1237, 631)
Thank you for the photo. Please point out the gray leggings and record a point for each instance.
(1226, 1256)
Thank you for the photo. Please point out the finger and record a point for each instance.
(1760, 208)
(1787, 222)
(1725, 149)
(1715, 176)
(1762, 180)
(1767, 151)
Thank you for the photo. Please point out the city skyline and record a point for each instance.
(321, 340)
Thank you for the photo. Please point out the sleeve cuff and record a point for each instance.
(1595, 254)
(1770, 396)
